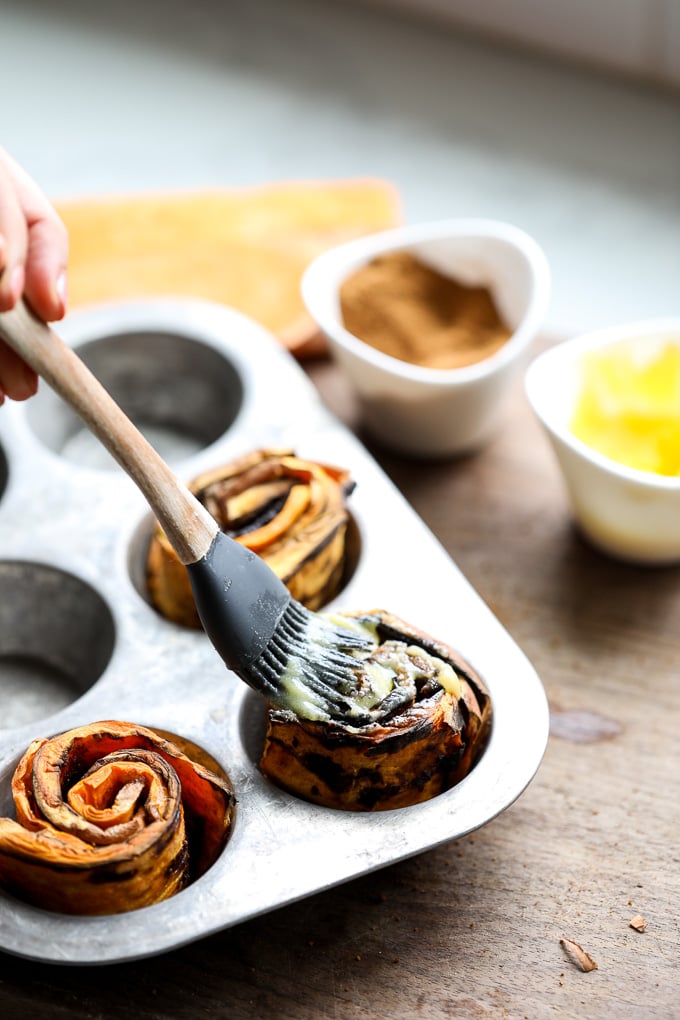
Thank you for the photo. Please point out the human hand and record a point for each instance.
(33, 256)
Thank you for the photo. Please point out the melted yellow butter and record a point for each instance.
(629, 409)
(404, 663)
(445, 673)
(296, 696)
(366, 628)
(381, 680)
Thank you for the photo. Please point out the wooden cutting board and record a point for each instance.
(244, 247)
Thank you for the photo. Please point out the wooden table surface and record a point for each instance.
(474, 928)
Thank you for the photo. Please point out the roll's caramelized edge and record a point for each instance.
(291, 512)
(111, 817)
(420, 751)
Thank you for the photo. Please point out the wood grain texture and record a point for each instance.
(472, 929)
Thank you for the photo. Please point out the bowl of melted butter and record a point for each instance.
(609, 402)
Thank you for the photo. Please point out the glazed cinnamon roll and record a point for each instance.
(415, 720)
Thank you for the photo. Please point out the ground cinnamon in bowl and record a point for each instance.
(453, 351)
(403, 307)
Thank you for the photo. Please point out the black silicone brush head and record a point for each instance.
(269, 640)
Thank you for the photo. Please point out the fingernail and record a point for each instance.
(16, 282)
(62, 291)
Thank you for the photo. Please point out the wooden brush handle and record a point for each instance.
(186, 522)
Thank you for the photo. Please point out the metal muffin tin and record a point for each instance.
(79, 641)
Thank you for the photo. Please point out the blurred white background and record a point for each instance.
(637, 37)
(186, 93)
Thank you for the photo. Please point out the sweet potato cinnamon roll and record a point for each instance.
(110, 817)
(414, 722)
(291, 512)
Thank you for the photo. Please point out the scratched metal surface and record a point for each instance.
(79, 641)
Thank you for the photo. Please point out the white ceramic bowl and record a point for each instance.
(425, 411)
(630, 514)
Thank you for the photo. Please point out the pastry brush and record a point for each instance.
(271, 641)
